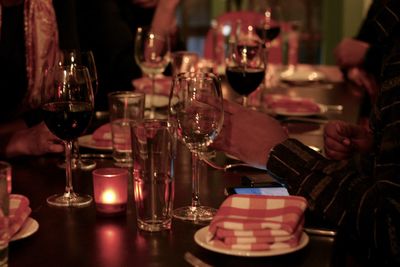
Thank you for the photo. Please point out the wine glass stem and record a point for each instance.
(153, 91)
(195, 180)
(68, 168)
(76, 156)
(244, 101)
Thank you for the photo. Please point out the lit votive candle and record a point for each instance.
(110, 189)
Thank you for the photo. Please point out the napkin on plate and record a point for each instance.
(255, 222)
(277, 102)
(19, 212)
(162, 85)
(102, 135)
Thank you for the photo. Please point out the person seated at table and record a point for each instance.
(360, 197)
(26, 45)
(360, 57)
(108, 28)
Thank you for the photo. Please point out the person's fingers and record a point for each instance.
(55, 148)
(335, 145)
(335, 154)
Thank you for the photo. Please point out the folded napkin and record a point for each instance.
(102, 136)
(162, 85)
(277, 102)
(255, 222)
(19, 212)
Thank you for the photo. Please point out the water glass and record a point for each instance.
(5, 188)
(125, 108)
(154, 149)
(184, 61)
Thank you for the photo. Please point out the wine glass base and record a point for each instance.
(69, 200)
(83, 164)
(195, 214)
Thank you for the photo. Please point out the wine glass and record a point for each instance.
(196, 109)
(67, 105)
(269, 27)
(81, 58)
(245, 63)
(152, 54)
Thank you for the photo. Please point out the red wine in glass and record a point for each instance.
(244, 81)
(268, 34)
(67, 120)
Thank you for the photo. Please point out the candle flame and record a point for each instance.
(109, 196)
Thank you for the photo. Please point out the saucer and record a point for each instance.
(200, 239)
(27, 229)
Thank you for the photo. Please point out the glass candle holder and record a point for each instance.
(110, 190)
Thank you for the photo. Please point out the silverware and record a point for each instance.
(194, 261)
(96, 156)
(319, 231)
(304, 119)
(225, 167)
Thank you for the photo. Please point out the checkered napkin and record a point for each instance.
(19, 212)
(277, 102)
(162, 85)
(102, 135)
(254, 222)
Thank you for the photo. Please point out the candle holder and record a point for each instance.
(110, 190)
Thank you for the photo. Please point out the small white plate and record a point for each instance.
(88, 142)
(200, 239)
(27, 229)
(302, 76)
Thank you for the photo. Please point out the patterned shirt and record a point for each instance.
(363, 202)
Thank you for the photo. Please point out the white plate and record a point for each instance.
(302, 76)
(88, 142)
(27, 229)
(200, 238)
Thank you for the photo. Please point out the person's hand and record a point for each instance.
(363, 79)
(342, 140)
(350, 52)
(37, 140)
(248, 135)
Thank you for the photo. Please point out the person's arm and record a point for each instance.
(164, 20)
(37, 140)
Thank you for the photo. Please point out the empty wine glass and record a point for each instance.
(152, 54)
(245, 63)
(67, 105)
(80, 58)
(196, 109)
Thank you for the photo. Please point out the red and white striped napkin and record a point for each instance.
(19, 212)
(102, 136)
(278, 102)
(255, 222)
(162, 85)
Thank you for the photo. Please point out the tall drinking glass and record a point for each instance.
(67, 105)
(196, 109)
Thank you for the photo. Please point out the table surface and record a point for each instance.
(82, 237)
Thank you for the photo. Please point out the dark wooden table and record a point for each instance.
(82, 237)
